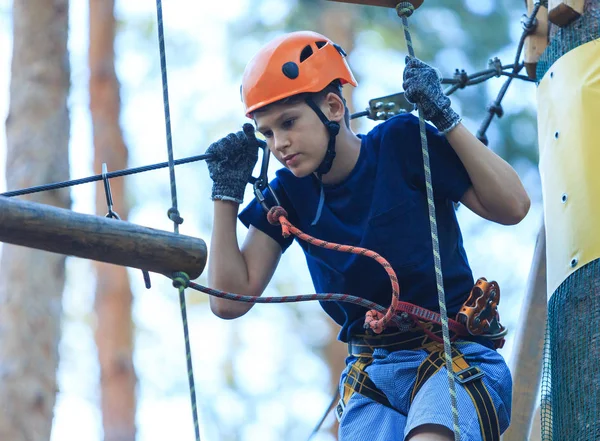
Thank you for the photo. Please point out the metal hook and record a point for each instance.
(262, 180)
(113, 214)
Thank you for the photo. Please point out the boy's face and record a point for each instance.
(295, 135)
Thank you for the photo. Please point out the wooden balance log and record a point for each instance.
(384, 3)
(62, 231)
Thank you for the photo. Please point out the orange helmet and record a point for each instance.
(294, 63)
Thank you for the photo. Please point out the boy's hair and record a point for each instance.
(334, 87)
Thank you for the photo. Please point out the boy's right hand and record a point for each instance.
(230, 167)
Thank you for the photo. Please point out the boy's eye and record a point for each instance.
(288, 123)
(268, 134)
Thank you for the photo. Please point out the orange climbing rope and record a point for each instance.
(374, 320)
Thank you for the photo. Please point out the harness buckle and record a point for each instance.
(469, 374)
(339, 409)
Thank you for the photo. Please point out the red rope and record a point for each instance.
(374, 320)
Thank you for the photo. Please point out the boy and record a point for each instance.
(368, 191)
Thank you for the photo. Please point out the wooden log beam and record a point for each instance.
(62, 231)
(384, 3)
(537, 42)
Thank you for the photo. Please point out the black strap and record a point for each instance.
(414, 338)
(470, 379)
(359, 381)
(468, 376)
(333, 128)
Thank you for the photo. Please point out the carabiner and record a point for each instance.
(260, 197)
(262, 182)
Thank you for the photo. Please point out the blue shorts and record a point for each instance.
(394, 373)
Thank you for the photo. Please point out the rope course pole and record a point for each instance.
(568, 130)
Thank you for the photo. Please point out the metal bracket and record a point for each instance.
(385, 107)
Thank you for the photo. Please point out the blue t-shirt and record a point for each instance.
(382, 206)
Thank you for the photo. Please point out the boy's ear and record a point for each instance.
(335, 107)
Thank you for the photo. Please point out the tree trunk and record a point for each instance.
(337, 23)
(114, 332)
(32, 281)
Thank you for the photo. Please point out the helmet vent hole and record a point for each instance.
(320, 44)
(340, 50)
(306, 53)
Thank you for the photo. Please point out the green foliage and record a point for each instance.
(440, 29)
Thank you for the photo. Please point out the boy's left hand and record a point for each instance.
(422, 87)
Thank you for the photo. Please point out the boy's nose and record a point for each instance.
(281, 143)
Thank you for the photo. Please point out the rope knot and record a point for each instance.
(275, 213)
(374, 321)
(405, 9)
(181, 280)
(174, 215)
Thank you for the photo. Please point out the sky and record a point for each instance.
(282, 335)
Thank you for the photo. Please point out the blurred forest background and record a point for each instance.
(99, 356)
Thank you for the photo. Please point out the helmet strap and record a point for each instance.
(333, 128)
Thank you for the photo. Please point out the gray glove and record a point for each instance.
(230, 167)
(422, 87)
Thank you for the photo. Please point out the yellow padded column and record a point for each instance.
(569, 142)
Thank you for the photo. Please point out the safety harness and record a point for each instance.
(468, 376)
